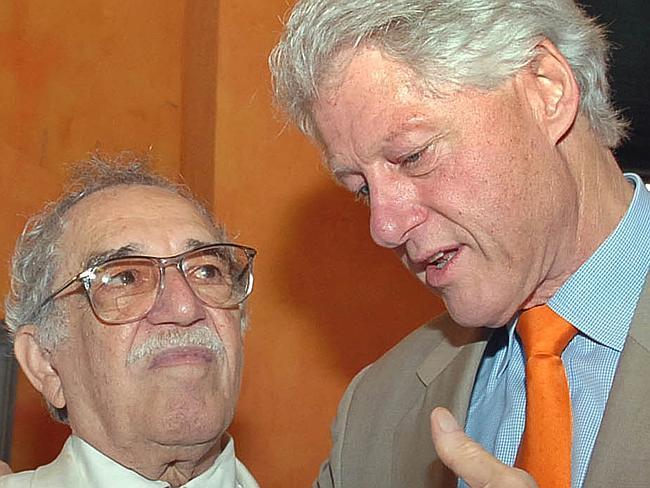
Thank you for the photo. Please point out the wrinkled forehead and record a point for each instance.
(355, 74)
(350, 60)
(369, 95)
(144, 219)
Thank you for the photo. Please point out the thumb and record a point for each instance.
(468, 460)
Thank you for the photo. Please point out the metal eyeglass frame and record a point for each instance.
(87, 275)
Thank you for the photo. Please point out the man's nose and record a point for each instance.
(177, 304)
(394, 212)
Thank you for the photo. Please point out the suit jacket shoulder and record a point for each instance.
(621, 456)
(381, 432)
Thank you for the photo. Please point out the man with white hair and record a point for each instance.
(127, 311)
(480, 134)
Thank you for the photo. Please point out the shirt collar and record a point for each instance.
(101, 471)
(599, 299)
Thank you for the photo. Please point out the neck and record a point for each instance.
(180, 466)
(602, 195)
(174, 464)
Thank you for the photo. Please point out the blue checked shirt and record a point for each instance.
(599, 299)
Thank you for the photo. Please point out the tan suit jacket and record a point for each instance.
(382, 435)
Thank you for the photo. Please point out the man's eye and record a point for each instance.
(412, 159)
(122, 279)
(206, 272)
(422, 162)
(362, 194)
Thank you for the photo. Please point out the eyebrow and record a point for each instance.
(191, 244)
(337, 174)
(405, 126)
(412, 123)
(334, 169)
(99, 258)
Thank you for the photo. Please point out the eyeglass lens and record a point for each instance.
(126, 289)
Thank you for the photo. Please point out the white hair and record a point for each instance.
(478, 43)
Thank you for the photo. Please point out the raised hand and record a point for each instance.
(466, 458)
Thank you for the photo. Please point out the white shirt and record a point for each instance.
(80, 464)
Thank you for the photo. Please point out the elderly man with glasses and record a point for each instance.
(127, 310)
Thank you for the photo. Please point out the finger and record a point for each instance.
(468, 460)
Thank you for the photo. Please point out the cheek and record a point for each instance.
(228, 328)
(489, 180)
(483, 192)
(461, 189)
(107, 347)
(234, 351)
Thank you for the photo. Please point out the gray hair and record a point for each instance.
(38, 256)
(477, 43)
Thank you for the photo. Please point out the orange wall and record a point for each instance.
(191, 82)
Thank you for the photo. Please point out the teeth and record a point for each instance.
(436, 257)
(441, 259)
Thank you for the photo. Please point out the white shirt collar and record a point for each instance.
(101, 471)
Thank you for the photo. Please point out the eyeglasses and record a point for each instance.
(125, 289)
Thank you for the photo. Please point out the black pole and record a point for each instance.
(7, 392)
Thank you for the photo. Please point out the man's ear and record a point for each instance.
(35, 362)
(553, 91)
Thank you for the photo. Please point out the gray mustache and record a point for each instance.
(154, 344)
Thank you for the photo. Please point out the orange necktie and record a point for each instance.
(545, 449)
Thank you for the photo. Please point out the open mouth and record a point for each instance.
(442, 258)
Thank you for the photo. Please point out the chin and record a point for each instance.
(194, 422)
(193, 433)
(475, 315)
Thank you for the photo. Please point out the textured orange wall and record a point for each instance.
(190, 81)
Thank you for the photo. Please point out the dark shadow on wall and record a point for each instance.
(359, 295)
(628, 26)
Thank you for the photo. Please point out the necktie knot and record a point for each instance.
(543, 332)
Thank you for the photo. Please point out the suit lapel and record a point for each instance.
(447, 377)
(621, 454)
